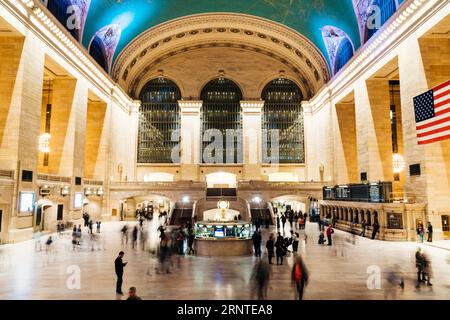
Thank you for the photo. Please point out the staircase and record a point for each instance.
(181, 212)
(261, 213)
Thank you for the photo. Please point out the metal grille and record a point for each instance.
(394, 92)
(222, 111)
(283, 111)
(159, 117)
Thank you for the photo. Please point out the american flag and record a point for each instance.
(432, 111)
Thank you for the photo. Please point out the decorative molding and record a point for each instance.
(252, 107)
(404, 22)
(190, 107)
(36, 17)
(163, 40)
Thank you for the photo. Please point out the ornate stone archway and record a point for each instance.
(139, 61)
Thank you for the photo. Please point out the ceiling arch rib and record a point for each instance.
(248, 32)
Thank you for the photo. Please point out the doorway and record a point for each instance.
(60, 213)
(38, 218)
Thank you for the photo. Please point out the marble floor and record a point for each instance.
(339, 272)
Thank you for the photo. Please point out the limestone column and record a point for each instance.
(422, 66)
(373, 134)
(191, 139)
(345, 153)
(21, 82)
(252, 139)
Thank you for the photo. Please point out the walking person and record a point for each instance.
(191, 242)
(279, 249)
(79, 235)
(90, 226)
(330, 231)
(180, 242)
(260, 278)
(134, 237)
(420, 232)
(291, 219)
(376, 228)
(74, 237)
(363, 226)
(124, 231)
(420, 263)
(295, 237)
(430, 232)
(283, 221)
(257, 239)
(98, 226)
(119, 265)
(270, 245)
(267, 221)
(427, 269)
(278, 222)
(300, 276)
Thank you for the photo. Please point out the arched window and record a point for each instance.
(387, 9)
(159, 122)
(283, 117)
(98, 52)
(343, 55)
(221, 122)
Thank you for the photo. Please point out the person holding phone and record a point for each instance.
(119, 264)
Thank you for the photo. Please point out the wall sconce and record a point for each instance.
(44, 143)
(87, 192)
(65, 191)
(398, 163)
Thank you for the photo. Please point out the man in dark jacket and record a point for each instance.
(430, 232)
(257, 239)
(119, 264)
(270, 245)
(375, 227)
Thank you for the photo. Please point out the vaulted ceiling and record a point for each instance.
(305, 16)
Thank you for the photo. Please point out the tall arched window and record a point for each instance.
(283, 113)
(387, 9)
(159, 122)
(343, 54)
(98, 52)
(221, 113)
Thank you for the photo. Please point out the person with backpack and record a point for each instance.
(300, 276)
